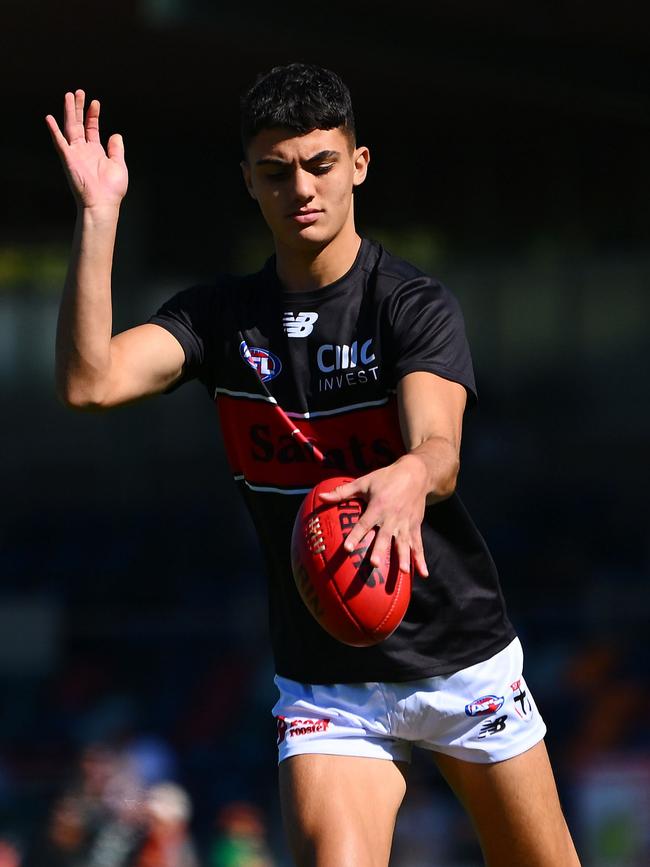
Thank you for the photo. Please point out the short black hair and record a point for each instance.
(300, 96)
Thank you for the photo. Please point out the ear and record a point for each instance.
(246, 172)
(361, 161)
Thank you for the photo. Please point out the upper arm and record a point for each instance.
(428, 335)
(145, 360)
(430, 407)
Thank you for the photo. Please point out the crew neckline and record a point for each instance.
(323, 292)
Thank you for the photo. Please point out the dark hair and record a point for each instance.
(300, 96)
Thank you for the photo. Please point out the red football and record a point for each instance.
(355, 602)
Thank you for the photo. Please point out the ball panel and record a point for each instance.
(377, 596)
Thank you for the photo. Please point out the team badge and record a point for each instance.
(266, 363)
(522, 703)
(484, 705)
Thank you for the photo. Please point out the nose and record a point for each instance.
(303, 185)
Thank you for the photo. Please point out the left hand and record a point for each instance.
(396, 498)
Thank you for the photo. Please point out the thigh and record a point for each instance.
(339, 811)
(515, 808)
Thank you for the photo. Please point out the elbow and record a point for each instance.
(80, 387)
(80, 404)
(78, 398)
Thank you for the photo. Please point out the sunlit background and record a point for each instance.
(509, 158)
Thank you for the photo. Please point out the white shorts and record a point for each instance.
(484, 713)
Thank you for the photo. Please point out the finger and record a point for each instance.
(79, 99)
(72, 128)
(417, 551)
(379, 554)
(364, 544)
(420, 567)
(92, 121)
(403, 553)
(68, 115)
(358, 535)
(60, 141)
(115, 148)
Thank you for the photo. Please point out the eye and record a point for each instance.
(323, 170)
(279, 175)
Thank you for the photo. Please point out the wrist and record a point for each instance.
(94, 215)
(436, 464)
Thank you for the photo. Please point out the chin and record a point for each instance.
(307, 238)
(313, 237)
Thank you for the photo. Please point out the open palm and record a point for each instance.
(97, 177)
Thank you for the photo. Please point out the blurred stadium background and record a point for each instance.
(510, 158)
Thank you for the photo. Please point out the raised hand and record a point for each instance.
(97, 177)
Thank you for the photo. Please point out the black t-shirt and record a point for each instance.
(328, 362)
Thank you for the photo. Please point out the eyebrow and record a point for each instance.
(276, 161)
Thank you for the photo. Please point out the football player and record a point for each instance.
(335, 358)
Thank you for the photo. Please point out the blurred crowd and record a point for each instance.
(108, 816)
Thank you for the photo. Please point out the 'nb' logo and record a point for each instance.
(301, 325)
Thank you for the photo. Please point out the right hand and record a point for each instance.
(98, 178)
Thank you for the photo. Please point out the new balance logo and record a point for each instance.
(301, 325)
(492, 727)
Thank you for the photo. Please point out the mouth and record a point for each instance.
(305, 216)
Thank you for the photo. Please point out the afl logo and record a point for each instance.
(265, 362)
(484, 705)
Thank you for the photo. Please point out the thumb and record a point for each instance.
(115, 148)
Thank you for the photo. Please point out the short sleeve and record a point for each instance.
(427, 333)
(191, 317)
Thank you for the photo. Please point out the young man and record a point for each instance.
(367, 358)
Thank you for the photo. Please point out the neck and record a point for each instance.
(308, 269)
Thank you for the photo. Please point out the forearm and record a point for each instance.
(83, 355)
(430, 415)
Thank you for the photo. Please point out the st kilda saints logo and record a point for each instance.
(266, 363)
(522, 703)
